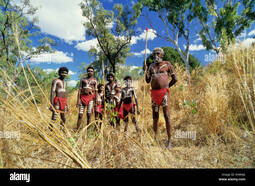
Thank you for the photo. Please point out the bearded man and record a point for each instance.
(158, 75)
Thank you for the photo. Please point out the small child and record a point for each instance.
(116, 102)
(99, 109)
(127, 95)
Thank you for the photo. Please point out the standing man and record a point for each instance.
(158, 75)
(86, 96)
(110, 93)
(110, 88)
(59, 101)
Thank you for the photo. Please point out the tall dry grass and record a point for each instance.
(215, 102)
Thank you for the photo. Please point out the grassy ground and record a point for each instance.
(215, 105)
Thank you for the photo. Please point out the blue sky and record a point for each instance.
(62, 21)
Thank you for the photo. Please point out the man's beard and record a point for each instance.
(158, 59)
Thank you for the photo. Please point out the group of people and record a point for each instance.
(95, 96)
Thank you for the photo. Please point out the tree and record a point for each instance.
(14, 25)
(176, 18)
(171, 54)
(134, 71)
(16, 48)
(112, 29)
(223, 21)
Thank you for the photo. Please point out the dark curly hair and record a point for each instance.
(90, 67)
(62, 69)
(127, 77)
(110, 74)
(100, 85)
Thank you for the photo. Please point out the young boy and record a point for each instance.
(99, 103)
(116, 102)
(127, 95)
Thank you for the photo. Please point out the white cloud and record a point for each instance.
(251, 33)
(56, 57)
(142, 53)
(71, 73)
(194, 47)
(198, 38)
(133, 67)
(151, 36)
(243, 34)
(139, 29)
(86, 45)
(72, 83)
(247, 42)
(49, 70)
(61, 19)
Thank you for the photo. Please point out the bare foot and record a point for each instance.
(169, 146)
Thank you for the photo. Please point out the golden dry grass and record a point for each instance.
(221, 117)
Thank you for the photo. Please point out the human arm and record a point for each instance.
(173, 76)
(121, 100)
(79, 94)
(53, 89)
(136, 102)
(147, 74)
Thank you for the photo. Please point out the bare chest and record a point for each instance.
(88, 83)
(59, 86)
(159, 76)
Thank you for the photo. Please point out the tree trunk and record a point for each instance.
(184, 58)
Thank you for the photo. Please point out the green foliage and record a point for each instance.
(222, 25)
(13, 20)
(191, 105)
(173, 56)
(112, 29)
(16, 46)
(43, 79)
(134, 72)
(176, 17)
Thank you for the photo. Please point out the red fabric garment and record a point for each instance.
(62, 102)
(85, 99)
(158, 95)
(120, 114)
(99, 108)
(128, 107)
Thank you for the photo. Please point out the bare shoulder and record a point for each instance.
(95, 80)
(171, 67)
(168, 63)
(54, 81)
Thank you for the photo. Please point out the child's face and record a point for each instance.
(110, 78)
(128, 82)
(63, 74)
(101, 88)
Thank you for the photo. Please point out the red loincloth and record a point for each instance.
(62, 102)
(85, 99)
(128, 107)
(120, 114)
(99, 108)
(158, 95)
